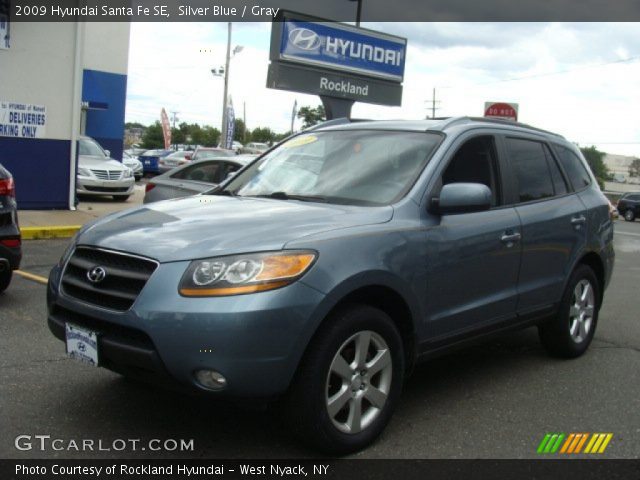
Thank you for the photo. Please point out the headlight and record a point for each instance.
(128, 173)
(84, 172)
(239, 274)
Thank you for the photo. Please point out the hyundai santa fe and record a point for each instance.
(325, 269)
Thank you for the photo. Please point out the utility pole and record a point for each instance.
(223, 130)
(434, 102)
(293, 113)
(174, 118)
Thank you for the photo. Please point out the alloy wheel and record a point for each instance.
(581, 311)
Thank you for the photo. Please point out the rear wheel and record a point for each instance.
(5, 279)
(629, 216)
(349, 381)
(570, 333)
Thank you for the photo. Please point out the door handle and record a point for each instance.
(580, 220)
(510, 238)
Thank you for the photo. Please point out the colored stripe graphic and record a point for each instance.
(550, 443)
(598, 442)
(573, 443)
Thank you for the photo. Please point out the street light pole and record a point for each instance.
(223, 130)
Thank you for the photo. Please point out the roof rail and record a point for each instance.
(511, 123)
(329, 123)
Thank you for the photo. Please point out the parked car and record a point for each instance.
(629, 206)
(324, 270)
(193, 178)
(10, 240)
(151, 160)
(134, 164)
(99, 174)
(255, 148)
(174, 160)
(236, 146)
(202, 153)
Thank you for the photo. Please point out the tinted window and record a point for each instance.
(559, 185)
(475, 162)
(574, 167)
(206, 172)
(529, 164)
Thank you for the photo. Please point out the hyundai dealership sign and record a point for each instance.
(344, 48)
(332, 59)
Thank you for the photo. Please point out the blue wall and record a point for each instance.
(106, 125)
(41, 171)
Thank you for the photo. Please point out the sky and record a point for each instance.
(581, 80)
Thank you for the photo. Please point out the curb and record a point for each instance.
(38, 233)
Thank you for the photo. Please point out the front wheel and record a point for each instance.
(629, 216)
(569, 334)
(349, 381)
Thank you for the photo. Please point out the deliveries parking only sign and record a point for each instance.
(22, 120)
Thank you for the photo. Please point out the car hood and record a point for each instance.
(87, 161)
(210, 225)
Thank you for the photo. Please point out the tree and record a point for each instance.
(594, 158)
(311, 116)
(153, 137)
(210, 136)
(240, 131)
(134, 125)
(262, 135)
(634, 168)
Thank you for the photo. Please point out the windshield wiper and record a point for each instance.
(289, 196)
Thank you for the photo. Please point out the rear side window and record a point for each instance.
(531, 170)
(559, 185)
(574, 167)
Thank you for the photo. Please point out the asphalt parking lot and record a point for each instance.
(493, 400)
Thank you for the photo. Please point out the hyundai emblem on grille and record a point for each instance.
(96, 274)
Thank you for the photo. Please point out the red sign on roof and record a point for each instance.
(508, 111)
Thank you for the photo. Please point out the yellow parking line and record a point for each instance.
(31, 276)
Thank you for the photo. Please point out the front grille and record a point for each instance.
(106, 189)
(107, 174)
(126, 276)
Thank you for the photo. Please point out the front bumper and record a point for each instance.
(93, 186)
(255, 341)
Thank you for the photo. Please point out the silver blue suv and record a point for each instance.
(325, 269)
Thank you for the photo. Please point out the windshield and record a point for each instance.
(352, 167)
(91, 148)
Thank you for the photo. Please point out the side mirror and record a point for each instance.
(187, 157)
(107, 153)
(463, 198)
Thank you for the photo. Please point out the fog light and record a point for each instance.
(211, 379)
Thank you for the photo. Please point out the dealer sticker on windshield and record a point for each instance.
(82, 344)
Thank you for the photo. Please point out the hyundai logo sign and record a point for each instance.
(304, 39)
(342, 48)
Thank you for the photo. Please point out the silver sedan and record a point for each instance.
(193, 178)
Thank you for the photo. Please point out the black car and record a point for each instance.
(629, 206)
(10, 241)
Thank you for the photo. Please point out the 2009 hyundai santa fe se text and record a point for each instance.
(324, 270)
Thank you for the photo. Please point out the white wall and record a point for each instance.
(38, 69)
(106, 47)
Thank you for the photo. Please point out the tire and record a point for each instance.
(5, 279)
(306, 406)
(629, 216)
(121, 198)
(569, 334)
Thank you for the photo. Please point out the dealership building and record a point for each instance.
(58, 80)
